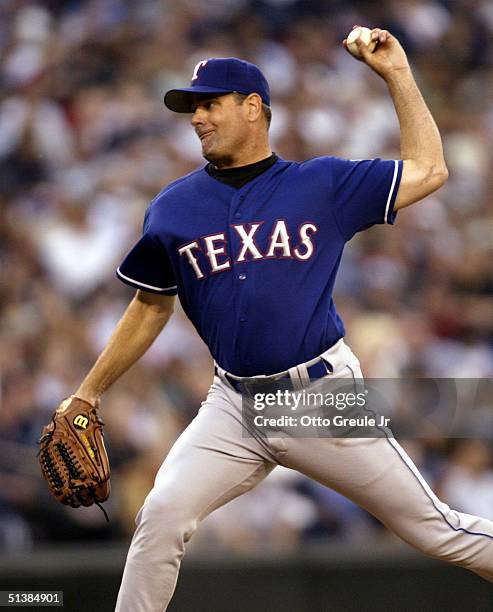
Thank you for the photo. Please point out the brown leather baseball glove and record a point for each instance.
(72, 455)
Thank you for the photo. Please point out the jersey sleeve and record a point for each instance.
(147, 266)
(364, 192)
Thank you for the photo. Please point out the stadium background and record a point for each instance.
(85, 143)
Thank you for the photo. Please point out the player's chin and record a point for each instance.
(214, 154)
(208, 150)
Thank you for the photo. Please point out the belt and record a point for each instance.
(294, 379)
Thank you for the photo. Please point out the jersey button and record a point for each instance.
(242, 319)
(242, 276)
(237, 215)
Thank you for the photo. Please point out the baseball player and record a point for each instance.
(251, 243)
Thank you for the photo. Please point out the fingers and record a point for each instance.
(379, 35)
(368, 41)
(363, 49)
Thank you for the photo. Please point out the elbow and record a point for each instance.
(433, 176)
(438, 175)
(155, 305)
(443, 174)
(419, 180)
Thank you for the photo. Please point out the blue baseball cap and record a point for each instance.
(219, 76)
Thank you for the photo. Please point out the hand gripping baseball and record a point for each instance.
(387, 57)
(73, 457)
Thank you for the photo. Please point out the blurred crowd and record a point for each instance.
(85, 144)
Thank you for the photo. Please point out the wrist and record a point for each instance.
(398, 75)
(88, 395)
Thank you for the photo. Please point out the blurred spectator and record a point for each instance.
(468, 480)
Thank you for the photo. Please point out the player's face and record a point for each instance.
(222, 127)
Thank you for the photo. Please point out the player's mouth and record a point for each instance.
(205, 134)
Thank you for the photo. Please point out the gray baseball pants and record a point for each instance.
(211, 463)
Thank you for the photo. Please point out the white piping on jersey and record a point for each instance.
(143, 284)
(394, 178)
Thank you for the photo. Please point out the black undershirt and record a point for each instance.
(237, 177)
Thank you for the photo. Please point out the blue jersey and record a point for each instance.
(255, 267)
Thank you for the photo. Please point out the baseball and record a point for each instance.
(365, 35)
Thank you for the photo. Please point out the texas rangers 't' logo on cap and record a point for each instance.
(219, 76)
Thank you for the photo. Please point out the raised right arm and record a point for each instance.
(142, 322)
(424, 168)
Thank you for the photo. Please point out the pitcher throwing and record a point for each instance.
(251, 243)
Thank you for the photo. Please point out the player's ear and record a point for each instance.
(253, 106)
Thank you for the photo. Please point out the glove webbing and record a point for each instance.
(54, 476)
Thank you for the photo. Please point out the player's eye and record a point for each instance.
(206, 105)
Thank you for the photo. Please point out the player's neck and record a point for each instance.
(245, 158)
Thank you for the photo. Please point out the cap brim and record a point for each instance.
(182, 100)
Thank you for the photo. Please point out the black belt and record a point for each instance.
(257, 385)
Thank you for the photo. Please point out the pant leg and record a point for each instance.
(209, 465)
(378, 475)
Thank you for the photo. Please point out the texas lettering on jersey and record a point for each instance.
(279, 246)
(202, 239)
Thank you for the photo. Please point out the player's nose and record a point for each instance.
(198, 117)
